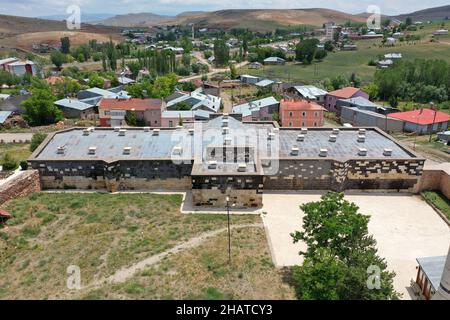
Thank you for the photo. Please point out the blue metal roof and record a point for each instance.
(73, 104)
(433, 267)
(4, 115)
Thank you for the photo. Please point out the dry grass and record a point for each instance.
(17, 151)
(204, 273)
(101, 233)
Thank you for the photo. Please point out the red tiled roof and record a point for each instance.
(421, 116)
(5, 214)
(302, 105)
(345, 93)
(131, 104)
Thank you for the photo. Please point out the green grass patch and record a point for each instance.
(439, 201)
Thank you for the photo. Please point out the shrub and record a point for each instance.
(37, 139)
(24, 165)
(9, 163)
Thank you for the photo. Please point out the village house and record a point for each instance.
(18, 67)
(112, 112)
(196, 100)
(274, 61)
(301, 113)
(259, 110)
(308, 92)
(423, 121)
(77, 109)
(345, 93)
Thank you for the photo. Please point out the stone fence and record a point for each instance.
(26, 183)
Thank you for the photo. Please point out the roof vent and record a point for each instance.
(86, 132)
(242, 167)
(301, 137)
(212, 164)
(295, 151)
(362, 131)
(362, 152)
(387, 152)
(271, 136)
(92, 150)
(61, 150)
(191, 132)
(122, 132)
(304, 131)
(224, 122)
(116, 129)
(323, 152)
(336, 131)
(333, 138)
(276, 130)
(156, 132)
(146, 129)
(227, 141)
(225, 116)
(226, 130)
(127, 150)
(361, 138)
(177, 150)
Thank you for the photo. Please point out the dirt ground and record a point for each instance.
(404, 226)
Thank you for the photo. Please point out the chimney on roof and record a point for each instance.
(295, 151)
(362, 152)
(333, 138)
(323, 152)
(92, 150)
(361, 138)
(127, 150)
(387, 152)
(242, 167)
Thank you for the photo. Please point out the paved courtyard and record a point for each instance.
(404, 226)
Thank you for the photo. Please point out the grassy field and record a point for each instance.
(16, 150)
(348, 62)
(102, 233)
(439, 201)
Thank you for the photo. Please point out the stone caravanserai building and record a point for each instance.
(226, 157)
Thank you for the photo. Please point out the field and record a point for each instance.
(348, 62)
(103, 233)
(17, 151)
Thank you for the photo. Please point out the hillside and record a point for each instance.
(134, 20)
(438, 13)
(22, 33)
(259, 19)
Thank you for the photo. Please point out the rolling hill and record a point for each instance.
(258, 19)
(438, 13)
(22, 33)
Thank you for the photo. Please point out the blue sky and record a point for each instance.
(33, 8)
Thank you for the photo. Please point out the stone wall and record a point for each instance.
(24, 184)
(243, 190)
(436, 179)
(326, 174)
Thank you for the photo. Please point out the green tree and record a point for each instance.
(221, 52)
(320, 54)
(65, 45)
(340, 253)
(306, 50)
(58, 58)
(40, 108)
(233, 72)
(96, 81)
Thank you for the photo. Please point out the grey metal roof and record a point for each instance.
(346, 146)
(247, 108)
(264, 83)
(73, 104)
(310, 92)
(433, 267)
(145, 145)
(273, 59)
(361, 101)
(4, 115)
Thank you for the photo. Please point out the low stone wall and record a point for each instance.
(437, 179)
(218, 198)
(26, 183)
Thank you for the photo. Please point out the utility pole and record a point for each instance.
(432, 106)
(229, 230)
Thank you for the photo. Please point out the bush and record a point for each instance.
(9, 163)
(24, 165)
(37, 139)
